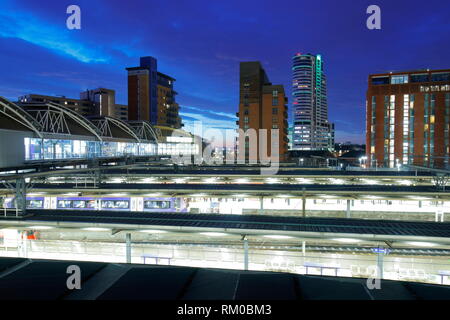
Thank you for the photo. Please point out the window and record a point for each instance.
(274, 110)
(440, 77)
(274, 126)
(115, 204)
(380, 80)
(399, 79)
(245, 119)
(419, 78)
(246, 112)
(274, 101)
(156, 204)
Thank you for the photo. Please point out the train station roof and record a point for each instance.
(33, 279)
(370, 230)
(57, 119)
(49, 119)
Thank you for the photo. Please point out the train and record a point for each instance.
(139, 204)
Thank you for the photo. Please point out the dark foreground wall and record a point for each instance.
(47, 280)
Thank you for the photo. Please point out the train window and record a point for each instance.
(79, 204)
(90, 204)
(151, 204)
(64, 204)
(33, 204)
(115, 204)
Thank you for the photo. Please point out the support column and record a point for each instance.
(304, 248)
(128, 247)
(348, 209)
(380, 256)
(244, 238)
(261, 205)
(303, 203)
(21, 196)
(439, 215)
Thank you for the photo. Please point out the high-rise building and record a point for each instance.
(312, 131)
(407, 118)
(261, 106)
(151, 96)
(96, 102)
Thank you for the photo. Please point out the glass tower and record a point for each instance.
(311, 129)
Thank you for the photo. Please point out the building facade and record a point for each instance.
(44, 131)
(312, 130)
(407, 119)
(151, 96)
(95, 102)
(261, 106)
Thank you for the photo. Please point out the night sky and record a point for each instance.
(200, 43)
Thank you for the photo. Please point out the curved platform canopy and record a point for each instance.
(21, 120)
(168, 131)
(57, 119)
(109, 127)
(145, 131)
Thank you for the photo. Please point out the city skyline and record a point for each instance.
(205, 61)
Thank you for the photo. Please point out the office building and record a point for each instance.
(96, 102)
(407, 118)
(105, 103)
(151, 95)
(312, 130)
(261, 106)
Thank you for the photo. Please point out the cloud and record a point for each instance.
(217, 113)
(216, 126)
(20, 24)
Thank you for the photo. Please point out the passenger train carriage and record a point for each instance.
(104, 203)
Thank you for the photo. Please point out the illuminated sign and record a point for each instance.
(435, 88)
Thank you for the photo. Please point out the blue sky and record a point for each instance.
(200, 43)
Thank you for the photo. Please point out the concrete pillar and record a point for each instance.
(261, 205)
(439, 215)
(348, 208)
(21, 195)
(245, 252)
(128, 247)
(380, 256)
(303, 203)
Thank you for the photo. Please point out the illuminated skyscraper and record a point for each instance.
(312, 131)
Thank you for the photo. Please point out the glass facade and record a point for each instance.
(399, 79)
(405, 127)
(447, 128)
(391, 131)
(411, 126)
(55, 149)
